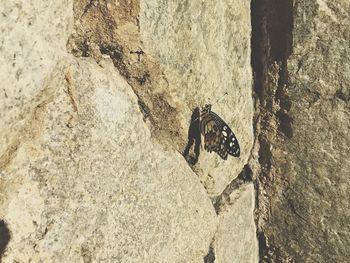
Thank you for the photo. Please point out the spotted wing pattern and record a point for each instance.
(218, 137)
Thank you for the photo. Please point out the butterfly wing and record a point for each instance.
(230, 141)
(218, 137)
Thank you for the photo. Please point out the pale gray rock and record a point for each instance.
(236, 235)
(34, 36)
(95, 187)
(204, 50)
(90, 151)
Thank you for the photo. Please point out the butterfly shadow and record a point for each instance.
(194, 137)
(4, 237)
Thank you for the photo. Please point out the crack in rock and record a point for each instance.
(224, 198)
(210, 257)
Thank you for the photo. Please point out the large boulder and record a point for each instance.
(95, 109)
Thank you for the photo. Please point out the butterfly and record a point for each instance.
(218, 137)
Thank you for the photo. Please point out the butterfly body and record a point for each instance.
(218, 136)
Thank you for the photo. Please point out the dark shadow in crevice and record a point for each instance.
(210, 257)
(262, 247)
(143, 108)
(5, 237)
(257, 47)
(271, 44)
(194, 137)
(265, 155)
(280, 36)
(244, 177)
(285, 124)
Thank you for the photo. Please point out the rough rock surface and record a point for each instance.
(204, 50)
(95, 106)
(94, 115)
(177, 58)
(301, 61)
(235, 228)
(34, 38)
(78, 197)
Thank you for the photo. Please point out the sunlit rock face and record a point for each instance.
(95, 108)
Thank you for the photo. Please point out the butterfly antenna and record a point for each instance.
(226, 93)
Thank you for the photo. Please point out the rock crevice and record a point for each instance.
(298, 53)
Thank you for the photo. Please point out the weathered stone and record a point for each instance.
(84, 194)
(176, 58)
(303, 86)
(236, 235)
(204, 49)
(34, 38)
(90, 163)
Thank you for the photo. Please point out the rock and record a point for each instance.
(236, 235)
(204, 50)
(79, 198)
(304, 187)
(35, 36)
(96, 103)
